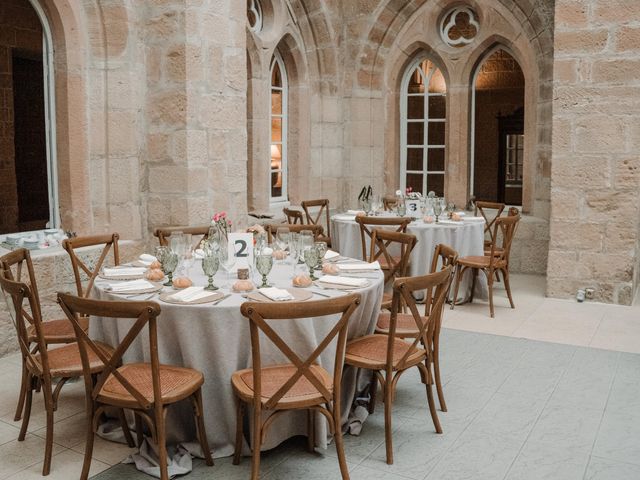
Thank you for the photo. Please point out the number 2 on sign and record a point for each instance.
(241, 244)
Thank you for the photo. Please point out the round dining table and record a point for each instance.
(215, 339)
(466, 237)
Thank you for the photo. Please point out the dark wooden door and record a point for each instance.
(30, 142)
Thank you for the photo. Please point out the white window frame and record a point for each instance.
(284, 116)
(404, 122)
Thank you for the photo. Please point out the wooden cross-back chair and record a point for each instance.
(301, 384)
(512, 212)
(368, 224)
(109, 242)
(41, 365)
(163, 234)
(444, 257)
(16, 265)
(315, 218)
(389, 356)
(272, 229)
(389, 203)
(294, 217)
(489, 217)
(496, 261)
(146, 388)
(396, 266)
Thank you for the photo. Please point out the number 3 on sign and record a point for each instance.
(241, 244)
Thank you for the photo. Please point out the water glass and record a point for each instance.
(282, 238)
(169, 266)
(401, 208)
(311, 260)
(264, 264)
(321, 248)
(227, 260)
(437, 208)
(210, 264)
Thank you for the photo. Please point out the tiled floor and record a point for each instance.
(518, 408)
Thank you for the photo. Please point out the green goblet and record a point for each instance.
(210, 265)
(311, 259)
(169, 266)
(264, 264)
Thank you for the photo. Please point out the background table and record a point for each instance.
(466, 237)
(216, 341)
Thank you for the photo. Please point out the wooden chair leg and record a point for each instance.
(48, 447)
(337, 429)
(432, 409)
(388, 433)
(490, 282)
(459, 273)
(125, 428)
(88, 449)
(311, 431)
(139, 430)
(237, 454)
(256, 443)
(436, 371)
(473, 283)
(161, 436)
(373, 389)
(27, 409)
(23, 393)
(507, 286)
(202, 433)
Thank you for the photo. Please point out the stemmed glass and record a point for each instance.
(311, 260)
(210, 264)
(401, 208)
(227, 260)
(264, 264)
(450, 209)
(306, 240)
(282, 238)
(294, 249)
(437, 208)
(169, 266)
(321, 248)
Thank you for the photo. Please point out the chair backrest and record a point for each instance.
(26, 311)
(293, 216)
(163, 234)
(389, 203)
(490, 217)
(141, 314)
(272, 228)
(14, 264)
(446, 257)
(384, 240)
(504, 227)
(428, 326)
(367, 224)
(109, 241)
(315, 218)
(260, 314)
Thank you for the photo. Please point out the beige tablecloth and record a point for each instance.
(466, 237)
(215, 340)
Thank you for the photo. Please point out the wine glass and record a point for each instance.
(264, 264)
(437, 208)
(189, 258)
(210, 264)
(169, 266)
(450, 209)
(321, 248)
(306, 240)
(294, 249)
(311, 260)
(401, 208)
(282, 238)
(161, 252)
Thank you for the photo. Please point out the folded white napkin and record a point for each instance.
(276, 294)
(190, 294)
(355, 212)
(449, 222)
(346, 281)
(146, 259)
(474, 219)
(123, 271)
(359, 267)
(129, 286)
(344, 216)
(331, 254)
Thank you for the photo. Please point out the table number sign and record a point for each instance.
(241, 244)
(413, 208)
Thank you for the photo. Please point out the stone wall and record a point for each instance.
(595, 165)
(20, 30)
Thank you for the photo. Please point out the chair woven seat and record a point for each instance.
(66, 362)
(176, 383)
(478, 261)
(57, 331)
(273, 377)
(405, 326)
(371, 352)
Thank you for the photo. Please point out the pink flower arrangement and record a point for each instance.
(221, 220)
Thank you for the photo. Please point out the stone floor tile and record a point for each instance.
(65, 465)
(605, 469)
(619, 436)
(545, 461)
(15, 456)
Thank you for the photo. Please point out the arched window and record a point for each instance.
(423, 118)
(279, 116)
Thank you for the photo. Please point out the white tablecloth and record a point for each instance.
(216, 341)
(466, 237)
